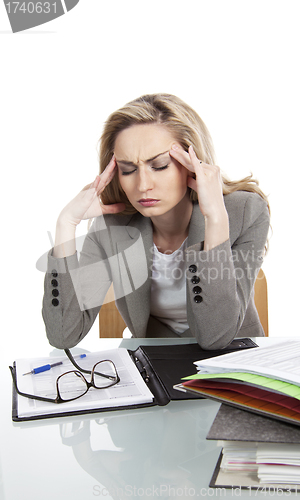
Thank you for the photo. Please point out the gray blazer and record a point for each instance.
(119, 249)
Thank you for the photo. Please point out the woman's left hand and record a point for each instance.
(204, 179)
(207, 182)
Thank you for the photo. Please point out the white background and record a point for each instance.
(235, 62)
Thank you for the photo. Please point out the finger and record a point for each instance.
(109, 168)
(178, 153)
(107, 175)
(96, 181)
(194, 160)
(192, 183)
(202, 170)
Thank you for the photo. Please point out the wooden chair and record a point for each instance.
(111, 324)
(261, 300)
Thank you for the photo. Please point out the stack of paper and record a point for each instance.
(278, 463)
(238, 456)
(265, 380)
(270, 462)
(257, 452)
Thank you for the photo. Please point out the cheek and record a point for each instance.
(181, 175)
(121, 181)
(184, 177)
(181, 180)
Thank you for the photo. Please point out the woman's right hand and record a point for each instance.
(87, 204)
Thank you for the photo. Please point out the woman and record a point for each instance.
(181, 244)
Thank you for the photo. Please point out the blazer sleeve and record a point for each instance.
(220, 281)
(74, 291)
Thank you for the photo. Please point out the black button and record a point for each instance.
(195, 280)
(54, 273)
(193, 268)
(55, 292)
(197, 289)
(55, 302)
(54, 282)
(198, 299)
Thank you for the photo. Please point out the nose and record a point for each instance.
(145, 181)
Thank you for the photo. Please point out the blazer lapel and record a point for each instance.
(197, 228)
(134, 262)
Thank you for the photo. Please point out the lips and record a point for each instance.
(148, 202)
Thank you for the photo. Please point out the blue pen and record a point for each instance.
(44, 368)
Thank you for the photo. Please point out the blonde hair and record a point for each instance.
(186, 127)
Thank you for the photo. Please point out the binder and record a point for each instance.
(234, 381)
(236, 395)
(168, 364)
(233, 424)
(160, 367)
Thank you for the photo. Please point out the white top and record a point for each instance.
(168, 288)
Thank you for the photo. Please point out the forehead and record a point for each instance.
(140, 142)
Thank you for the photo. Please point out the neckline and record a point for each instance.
(167, 255)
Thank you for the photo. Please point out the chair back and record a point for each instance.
(111, 323)
(261, 300)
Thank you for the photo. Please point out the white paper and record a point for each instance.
(129, 391)
(272, 462)
(280, 361)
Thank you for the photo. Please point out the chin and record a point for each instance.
(149, 212)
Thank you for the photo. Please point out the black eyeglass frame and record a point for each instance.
(113, 380)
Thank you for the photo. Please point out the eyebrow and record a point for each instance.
(132, 164)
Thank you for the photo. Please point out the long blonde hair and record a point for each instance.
(186, 127)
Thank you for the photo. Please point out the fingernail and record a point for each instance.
(174, 146)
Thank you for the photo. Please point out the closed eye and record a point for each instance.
(127, 172)
(160, 168)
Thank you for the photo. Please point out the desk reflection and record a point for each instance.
(132, 452)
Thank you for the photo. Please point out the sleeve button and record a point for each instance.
(193, 268)
(198, 299)
(195, 280)
(55, 292)
(197, 289)
(55, 302)
(54, 283)
(54, 273)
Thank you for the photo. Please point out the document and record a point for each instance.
(280, 361)
(131, 390)
(258, 464)
(256, 451)
(251, 379)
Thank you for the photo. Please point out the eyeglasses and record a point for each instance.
(72, 384)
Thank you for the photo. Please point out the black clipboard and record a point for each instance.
(161, 367)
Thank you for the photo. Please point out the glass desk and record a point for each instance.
(160, 452)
